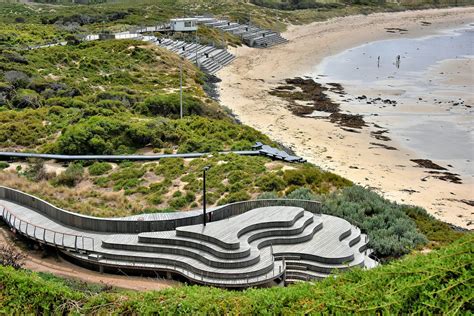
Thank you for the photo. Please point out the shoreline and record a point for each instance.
(247, 81)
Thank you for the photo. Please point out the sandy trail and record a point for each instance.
(60, 267)
(246, 82)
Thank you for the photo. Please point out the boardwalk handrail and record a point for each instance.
(145, 222)
(7, 216)
(120, 157)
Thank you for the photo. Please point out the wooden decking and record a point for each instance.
(254, 248)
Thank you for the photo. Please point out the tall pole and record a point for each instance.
(204, 215)
(181, 88)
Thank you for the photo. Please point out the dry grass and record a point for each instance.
(84, 199)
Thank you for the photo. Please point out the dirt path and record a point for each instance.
(60, 267)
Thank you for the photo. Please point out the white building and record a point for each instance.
(184, 25)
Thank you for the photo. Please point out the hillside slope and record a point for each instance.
(439, 282)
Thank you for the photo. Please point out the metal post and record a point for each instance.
(181, 88)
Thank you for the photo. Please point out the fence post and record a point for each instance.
(54, 238)
(44, 235)
(75, 242)
(34, 232)
(26, 232)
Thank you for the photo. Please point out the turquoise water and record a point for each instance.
(424, 119)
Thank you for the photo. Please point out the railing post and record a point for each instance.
(44, 235)
(54, 238)
(63, 240)
(34, 231)
(75, 242)
(26, 232)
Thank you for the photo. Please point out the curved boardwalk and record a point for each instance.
(246, 244)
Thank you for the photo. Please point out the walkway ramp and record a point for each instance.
(259, 246)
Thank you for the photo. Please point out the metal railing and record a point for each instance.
(40, 233)
(205, 277)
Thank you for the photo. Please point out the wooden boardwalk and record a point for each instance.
(260, 246)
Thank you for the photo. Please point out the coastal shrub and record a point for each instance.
(391, 231)
(437, 232)
(17, 78)
(302, 194)
(35, 171)
(294, 177)
(99, 168)
(169, 105)
(71, 176)
(26, 98)
(170, 167)
(435, 283)
(126, 178)
(270, 182)
(234, 197)
(4, 165)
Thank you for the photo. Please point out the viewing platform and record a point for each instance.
(244, 244)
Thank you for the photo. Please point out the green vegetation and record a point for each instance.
(435, 283)
(99, 168)
(71, 176)
(167, 185)
(393, 229)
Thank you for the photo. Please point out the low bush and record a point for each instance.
(270, 182)
(99, 168)
(435, 283)
(391, 231)
(169, 105)
(71, 176)
(4, 165)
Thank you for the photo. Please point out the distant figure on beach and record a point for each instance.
(378, 62)
(397, 62)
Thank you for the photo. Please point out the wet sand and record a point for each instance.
(247, 81)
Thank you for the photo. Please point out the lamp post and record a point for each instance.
(204, 215)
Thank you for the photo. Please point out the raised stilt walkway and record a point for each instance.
(245, 244)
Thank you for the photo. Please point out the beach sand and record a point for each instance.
(246, 82)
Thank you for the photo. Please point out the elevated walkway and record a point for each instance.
(246, 244)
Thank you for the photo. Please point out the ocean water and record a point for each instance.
(434, 91)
